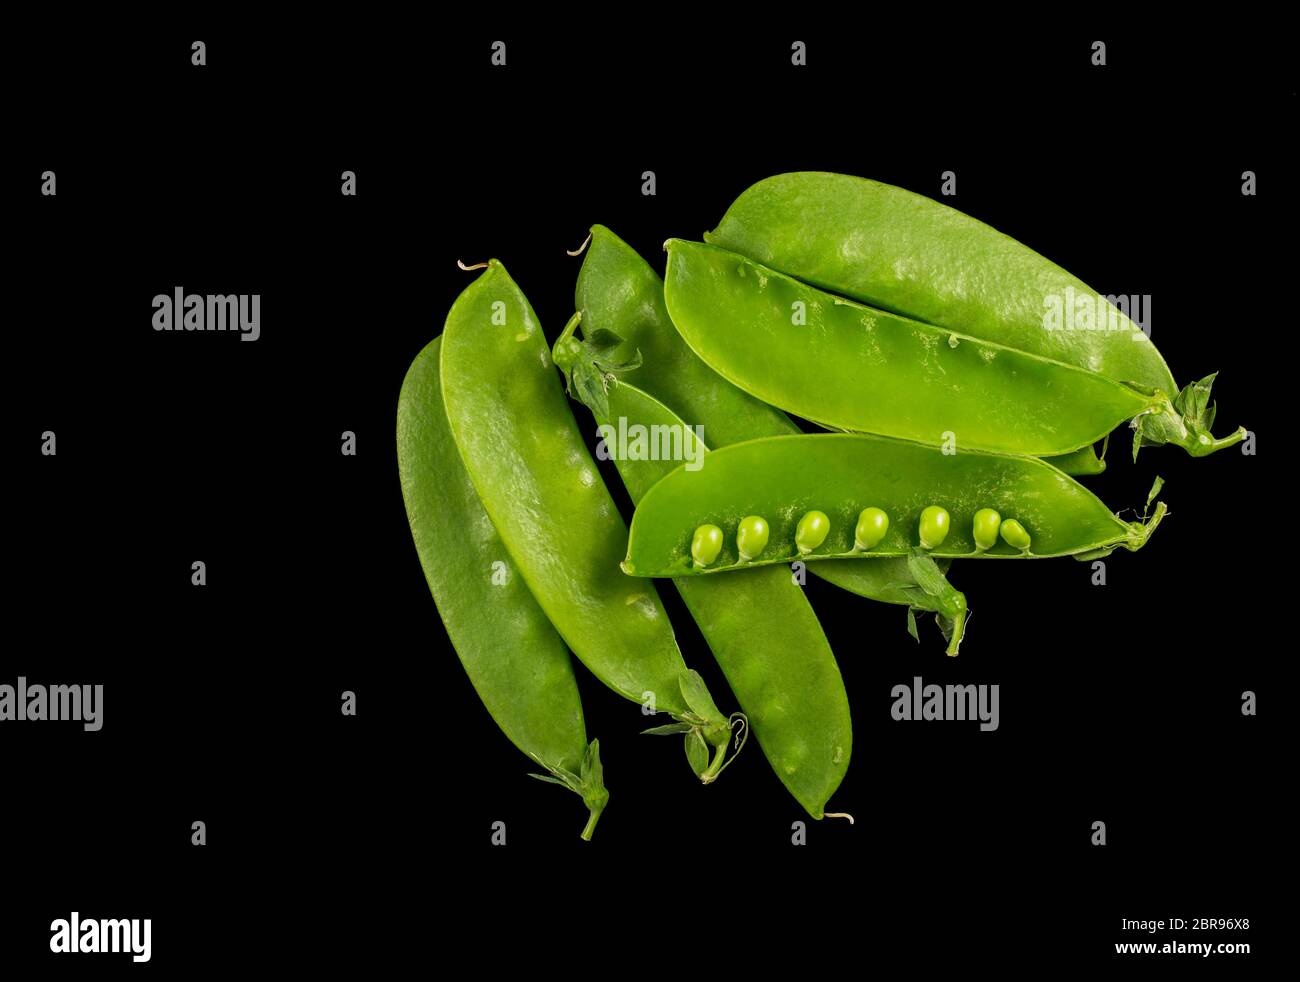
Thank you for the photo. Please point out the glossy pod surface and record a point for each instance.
(839, 363)
(900, 251)
(619, 291)
(783, 478)
(1081, 462)
(515, 660)
(766, 639)
(527, 460)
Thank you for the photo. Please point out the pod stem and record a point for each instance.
(1197, 441)
(595, 807)
(588, 783)
(737, 723)
(570, 327)
(591, 785)
(1185, 420)
(1209, 444)
(715, 766)
(1141, 530)
(958, 629)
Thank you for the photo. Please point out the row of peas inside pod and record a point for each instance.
(753, 532)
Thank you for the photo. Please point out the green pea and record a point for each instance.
(872, 525)
(1014, 534)
(934, 527)
(751, 537)
(985, 529)
(811, 531)
(706, 543)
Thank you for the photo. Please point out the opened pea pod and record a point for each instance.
(936, 505)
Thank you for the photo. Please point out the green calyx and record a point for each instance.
(933, 592)
(1185, 421)
(589, 783)
(588, 365)
(1138, 531)
(1141, 530)
(704, 726)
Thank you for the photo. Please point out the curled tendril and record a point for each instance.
(738, 722)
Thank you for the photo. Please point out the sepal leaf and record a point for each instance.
(697, 752)
(697, 697)
(668, 730)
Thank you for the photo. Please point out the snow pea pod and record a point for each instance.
(759, 625)
(1080, 463)
(783, 478)
(902, 252)
(516, 661)
(618, 292)
(526, 458)
(856, 368)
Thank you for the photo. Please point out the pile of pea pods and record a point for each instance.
(956, 418)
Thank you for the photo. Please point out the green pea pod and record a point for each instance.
(1078, 463)
(782, 478)
(540, 487)
(620, 294)
(856, 368)
(904, 253)
(759, 625)
(1081, 462)
(517, 663)
(618, 291)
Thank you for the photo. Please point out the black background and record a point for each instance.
(366, 841)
